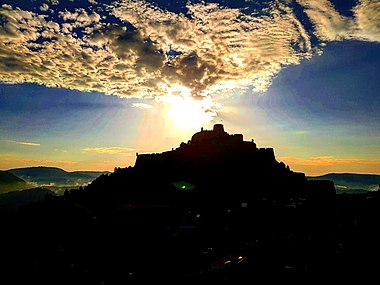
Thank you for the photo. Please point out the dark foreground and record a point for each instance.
(59, 241)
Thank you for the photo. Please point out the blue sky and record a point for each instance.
(87, 86)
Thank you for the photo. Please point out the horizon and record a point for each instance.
(85, 85)
(89, 170)
(42, 166)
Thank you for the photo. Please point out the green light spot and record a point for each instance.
(183, 185)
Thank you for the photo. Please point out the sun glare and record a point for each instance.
(186, 112)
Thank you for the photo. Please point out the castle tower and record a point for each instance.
(218, 128)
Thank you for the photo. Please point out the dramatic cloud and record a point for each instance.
(367, 15)
(331, 26)
(217, 47)
(133, 48)
(211, 49)
(111, 150)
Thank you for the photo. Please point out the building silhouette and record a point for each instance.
(225, 164)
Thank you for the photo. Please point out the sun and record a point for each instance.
(185, 112)
(189, 113)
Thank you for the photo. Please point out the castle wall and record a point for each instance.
(266, 153)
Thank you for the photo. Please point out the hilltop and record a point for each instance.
(212, 164)
(352, 182)
(53, 176)
(12, 201)
(10, 182)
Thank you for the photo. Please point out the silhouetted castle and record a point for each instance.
(206, 148)
(224, 163)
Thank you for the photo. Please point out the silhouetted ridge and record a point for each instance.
(43, 175)
(220, 167)
(10, 182)
(225, 162)
(352, 182)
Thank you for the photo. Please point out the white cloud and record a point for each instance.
(80, 17)
(142, 106)
(53, 2)
(28, 143)
(367, 15)
(331, 26)
(24, 143)
(44, 7)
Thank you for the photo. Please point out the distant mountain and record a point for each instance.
(352, 183)
(11, 201)
(53, 176)
(9, 182)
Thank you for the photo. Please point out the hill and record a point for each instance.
(351, 182)
(52, 176)
(11, 201)
(10, 182)
(214, 167)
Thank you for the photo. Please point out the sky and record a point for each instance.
(85, 85)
